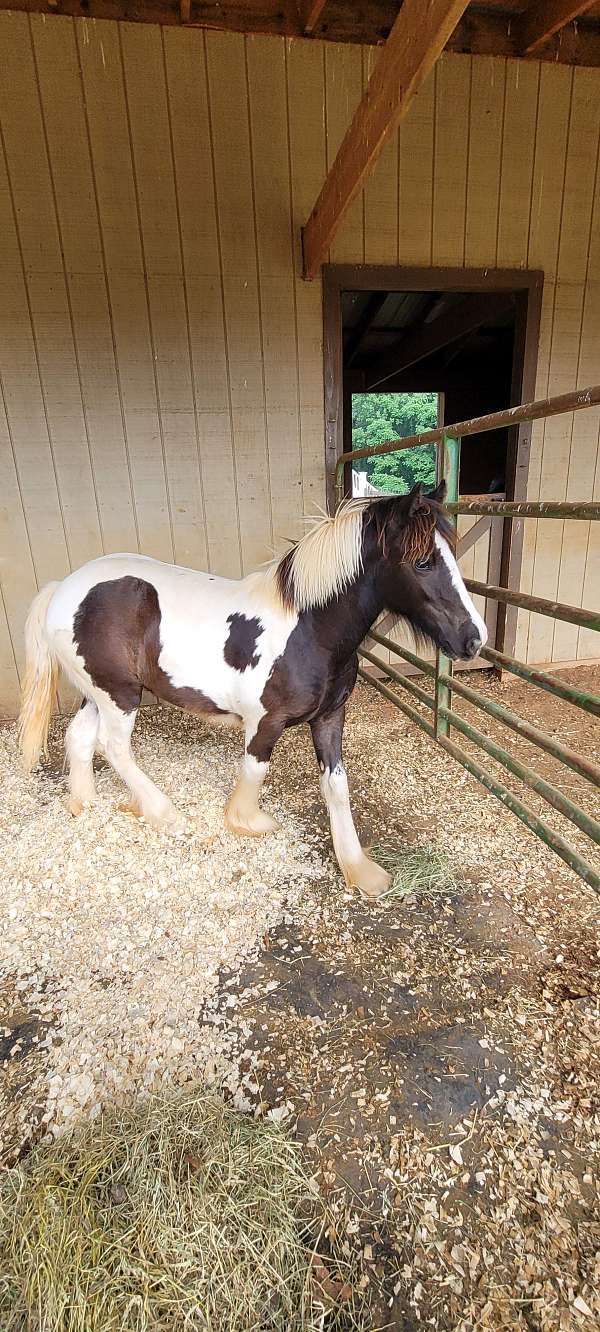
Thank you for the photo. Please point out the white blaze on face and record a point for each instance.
(458, 585)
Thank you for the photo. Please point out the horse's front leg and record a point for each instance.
(243, 813)
(357, 868)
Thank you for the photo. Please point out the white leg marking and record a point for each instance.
(80, 744)
(457, 583)
(357, 868)
(115, 737)
(242, 813)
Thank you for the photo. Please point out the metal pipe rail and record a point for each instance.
(525, 509)
(579, 697)
(445, 684)
(556, 609)
(584, 767)
(475, 425)
(585, 822)
(512, 802)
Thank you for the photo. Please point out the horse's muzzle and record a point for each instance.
(472, 647)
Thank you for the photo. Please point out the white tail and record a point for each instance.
(39, 685)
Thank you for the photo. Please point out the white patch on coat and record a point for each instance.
(458, 585)
(358, 869)
(334, 787)
(114, 737)
(80, 743)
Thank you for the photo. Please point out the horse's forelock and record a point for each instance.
(416, 535)
(444, 524)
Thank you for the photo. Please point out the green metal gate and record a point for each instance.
(441, 717)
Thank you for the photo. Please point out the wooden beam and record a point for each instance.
(462, 318)
(374, 304)
(545, 17)
(310, 12)
(479, 32)
(185, 10)
(418, 37)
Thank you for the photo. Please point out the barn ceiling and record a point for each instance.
(567, 31)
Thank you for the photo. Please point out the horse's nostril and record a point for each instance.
(473, 646)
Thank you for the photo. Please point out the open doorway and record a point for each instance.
(406, 349)
(378, 417)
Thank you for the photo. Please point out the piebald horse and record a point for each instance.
(268, 651)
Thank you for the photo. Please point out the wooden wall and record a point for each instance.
(160, 356)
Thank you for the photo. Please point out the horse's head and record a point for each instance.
(420, 577)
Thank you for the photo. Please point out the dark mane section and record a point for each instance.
(414, 529)
(285, 578)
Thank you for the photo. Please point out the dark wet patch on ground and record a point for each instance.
(21, 1036)
(361, 1036)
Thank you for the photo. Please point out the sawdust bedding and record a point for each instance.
(114, 933)
(115, 938)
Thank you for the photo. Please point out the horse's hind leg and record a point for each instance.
(357, 868)
(80, 743)
(115, 737)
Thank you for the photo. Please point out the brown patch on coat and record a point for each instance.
(117, 632)
(239, 650)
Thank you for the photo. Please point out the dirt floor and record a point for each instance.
(438, 1056)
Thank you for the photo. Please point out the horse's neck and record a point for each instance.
(342, 624)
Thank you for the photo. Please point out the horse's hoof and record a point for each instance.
(75, 807)
(172, 828)
(256, 824)
(370, 879)
(130, 807)
(165, 820)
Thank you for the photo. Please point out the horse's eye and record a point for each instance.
(421, 565)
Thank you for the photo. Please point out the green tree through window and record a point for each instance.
(377, 417)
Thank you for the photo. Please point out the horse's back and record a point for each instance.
(171, 581)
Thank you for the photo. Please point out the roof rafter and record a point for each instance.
(545, 17)
(374, 304)
(464, 317)
(310, 12)
(417, 38)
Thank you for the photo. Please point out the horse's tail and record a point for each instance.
(39, 686)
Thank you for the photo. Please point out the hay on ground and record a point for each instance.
(182, 1214)
(425, 872)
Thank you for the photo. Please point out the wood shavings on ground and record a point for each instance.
(115, 932)
(437, 1058)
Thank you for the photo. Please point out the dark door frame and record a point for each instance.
(528, 287)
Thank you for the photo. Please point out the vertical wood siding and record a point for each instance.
(161, 375)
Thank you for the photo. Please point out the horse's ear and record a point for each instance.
(414, 500)
(439, 494)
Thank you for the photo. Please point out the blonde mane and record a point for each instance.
(326, 559)
(330, 556)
